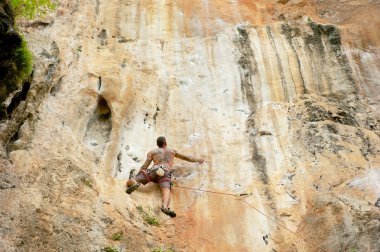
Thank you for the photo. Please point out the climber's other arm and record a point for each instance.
(188, 158)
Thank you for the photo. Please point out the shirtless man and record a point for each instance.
(160, 172)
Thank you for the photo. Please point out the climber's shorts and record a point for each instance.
(149, 175)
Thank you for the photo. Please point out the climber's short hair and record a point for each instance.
(161, 141)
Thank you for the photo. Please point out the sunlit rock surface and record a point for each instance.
(280, 97)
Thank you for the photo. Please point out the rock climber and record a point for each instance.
(160, 172)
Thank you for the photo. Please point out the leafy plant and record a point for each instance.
(87, 182)
(117, 236)
(162, 250)
(32, 8)
(110, 249)
(150, 219)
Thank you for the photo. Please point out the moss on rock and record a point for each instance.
(32, 8)
(15, 58)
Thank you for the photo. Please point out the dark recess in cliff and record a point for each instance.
(15, 58)
(17, 98)
(99, 126)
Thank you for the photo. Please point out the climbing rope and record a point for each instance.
(260, 212)
(194, 189)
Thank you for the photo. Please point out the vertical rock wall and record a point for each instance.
(280, 102)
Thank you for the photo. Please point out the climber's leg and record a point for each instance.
(165, 197)
(134, 183)
(165, 188)
(170, 199)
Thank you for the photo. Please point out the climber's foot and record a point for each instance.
(132, 188)
(169, 212)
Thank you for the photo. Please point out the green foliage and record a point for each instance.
(22, 62)
(117, 236)
(150, 219)
(110, 249)
(16, 67)
(87, 182)
(32, 8)
(162, 250)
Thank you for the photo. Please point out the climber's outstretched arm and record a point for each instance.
(188, 158)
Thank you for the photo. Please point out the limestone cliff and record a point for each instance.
(280, 97)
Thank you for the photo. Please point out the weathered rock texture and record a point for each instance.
(280, 97)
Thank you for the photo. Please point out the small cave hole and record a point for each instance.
(99, 127)
(103, 109)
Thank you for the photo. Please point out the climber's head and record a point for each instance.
(161, 142)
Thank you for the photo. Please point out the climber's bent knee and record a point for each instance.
(141, 178)
(165, 184)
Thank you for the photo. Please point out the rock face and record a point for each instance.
(280, 97)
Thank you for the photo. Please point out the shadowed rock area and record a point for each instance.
(10, 42)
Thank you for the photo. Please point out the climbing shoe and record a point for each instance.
(132, 188)
(169, 212)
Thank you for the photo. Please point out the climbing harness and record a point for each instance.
(157, 173)
(160, 171)
(318, 247)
